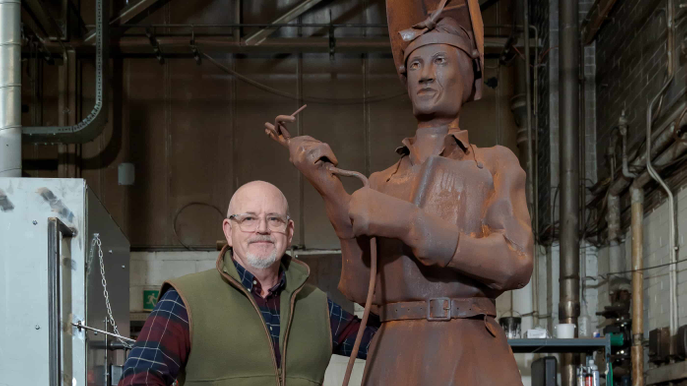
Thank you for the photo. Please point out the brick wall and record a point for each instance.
(631, 68)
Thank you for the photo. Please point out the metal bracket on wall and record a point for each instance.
(155, 44)
(194, 48)
(91, 127)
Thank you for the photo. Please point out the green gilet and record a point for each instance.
(230, 342)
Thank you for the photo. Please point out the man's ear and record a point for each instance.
(289, 231)
(227, 229)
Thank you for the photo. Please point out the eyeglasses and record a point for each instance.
(249, 222)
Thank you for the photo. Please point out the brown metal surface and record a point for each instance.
(451, 222)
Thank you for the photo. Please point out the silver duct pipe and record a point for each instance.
(10, 88)
(637, 353)
(569, 306)
(672, 209)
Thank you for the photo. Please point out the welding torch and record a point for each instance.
(280, 133)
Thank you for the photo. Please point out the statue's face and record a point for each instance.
(440, 79)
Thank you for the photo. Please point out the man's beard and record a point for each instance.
(258, 261)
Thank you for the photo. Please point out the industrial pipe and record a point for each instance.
(616, 260)
(528, 83)
(91, 127)
(652, 172)
(661, 141)
(637, 351)
(10, 88)
(569, 305)
(672, 250)
(622, 129)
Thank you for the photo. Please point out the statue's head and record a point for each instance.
(440, 71)
(440, 57)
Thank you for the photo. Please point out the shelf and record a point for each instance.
(561, 345)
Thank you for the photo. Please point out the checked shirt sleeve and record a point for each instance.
(344, 330)
(162, 347)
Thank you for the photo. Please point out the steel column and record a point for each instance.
(569, 305)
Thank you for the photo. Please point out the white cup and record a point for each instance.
(565, 330)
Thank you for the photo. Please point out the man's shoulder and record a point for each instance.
(310, 291)
(196, 279)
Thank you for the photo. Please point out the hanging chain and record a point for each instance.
(111, 320)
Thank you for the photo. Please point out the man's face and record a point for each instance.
(440, 80)
(252, 233)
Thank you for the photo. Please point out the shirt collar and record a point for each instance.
(250, 282)
(454, 138)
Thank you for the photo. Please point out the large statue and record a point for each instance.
(451, 220)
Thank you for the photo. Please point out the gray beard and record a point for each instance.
(261, 262)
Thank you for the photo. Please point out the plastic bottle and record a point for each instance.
(594, 370)
(584, 325)
(580, 376)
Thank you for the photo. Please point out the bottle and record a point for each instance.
(588, 380)
(584, 326)
(580, 376)
(594, 370)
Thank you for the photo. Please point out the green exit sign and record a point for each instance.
(150, 299)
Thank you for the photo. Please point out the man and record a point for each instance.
(451, 221)
(253, 320)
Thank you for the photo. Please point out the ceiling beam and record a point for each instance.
(595, 19)
(260, 36)
(132, 13)
(179, 45)
(43, 18)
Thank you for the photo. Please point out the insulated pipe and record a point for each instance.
(665, 137)
(652, 172)
(10, 88)
(637, 194)
(616, 261)
(569, 305)
(671, 207)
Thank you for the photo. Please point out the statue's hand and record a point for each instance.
(278, 130)
(306, 152)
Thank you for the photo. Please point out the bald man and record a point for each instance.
(251, 321)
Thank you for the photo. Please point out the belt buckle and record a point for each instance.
(443, 317)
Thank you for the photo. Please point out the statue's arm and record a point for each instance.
(502, 258)
(311, 157)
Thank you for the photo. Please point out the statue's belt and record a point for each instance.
(438, 309)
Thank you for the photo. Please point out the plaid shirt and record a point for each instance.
(163, 345)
